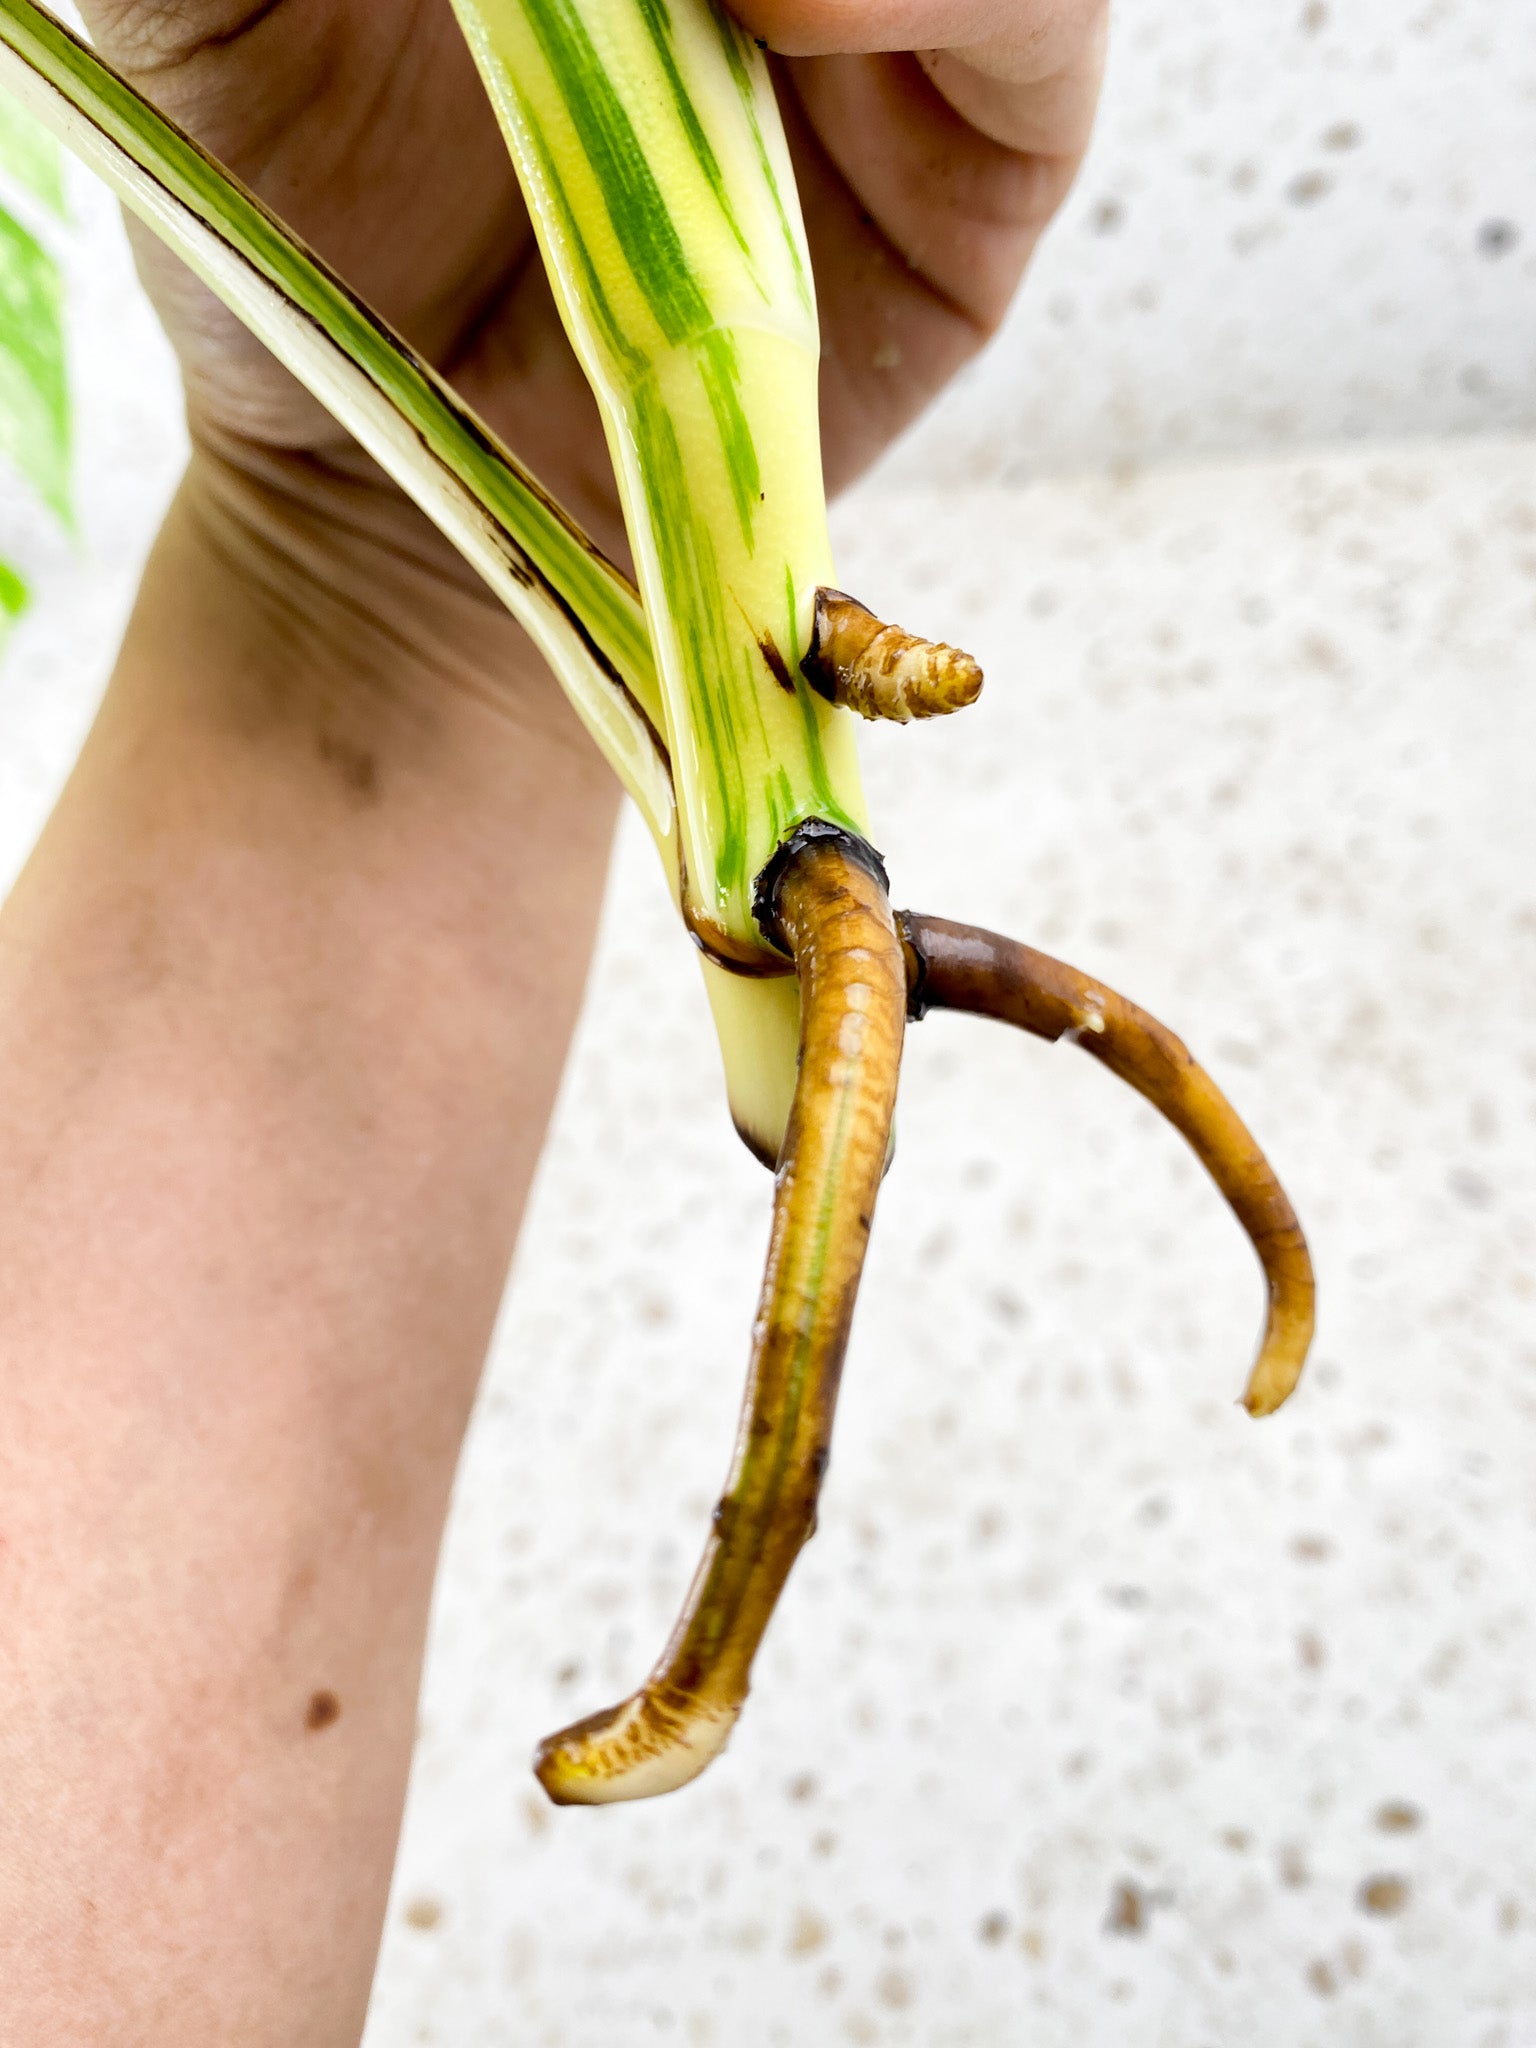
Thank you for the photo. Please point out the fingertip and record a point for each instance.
(825, 28)
(790, 28)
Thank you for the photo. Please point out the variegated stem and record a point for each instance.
(958, 967)
(580, 611)
(827, 900)
(648, 144)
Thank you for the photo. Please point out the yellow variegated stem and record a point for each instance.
(757, 1022)
(648, 143)
(828, 903)
(959, 967)
(580, 611)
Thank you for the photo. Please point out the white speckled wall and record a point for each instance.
(1301, 221)
(1096, 1715)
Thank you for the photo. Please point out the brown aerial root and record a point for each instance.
(882, 671)
(826, 904)
(958, 967)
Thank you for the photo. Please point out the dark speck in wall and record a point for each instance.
(1496, 238)
(1127, 1909)
(1384, 1895)
(1471, 1187)
(1397, 1817)
(324, 1711)
(1308, 188)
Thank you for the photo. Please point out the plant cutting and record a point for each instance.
(722, 687)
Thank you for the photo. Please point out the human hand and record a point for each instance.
(927, 179)
(286, 989)
(933, 140)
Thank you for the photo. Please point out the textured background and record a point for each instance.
(1096, 1714)
(1302, 221)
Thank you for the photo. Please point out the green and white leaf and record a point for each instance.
(30, 157)
(580, 611)
(14, 597)
(34, 380)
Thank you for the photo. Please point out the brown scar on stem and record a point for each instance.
(775, 663)
(826, 904)
(883, 671)
(960, 967)
(753, 959)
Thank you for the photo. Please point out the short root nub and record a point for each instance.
(883, 671)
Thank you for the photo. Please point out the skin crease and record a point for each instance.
(286, 988)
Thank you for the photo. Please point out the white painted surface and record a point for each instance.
(1258, 748)
(1300, 221)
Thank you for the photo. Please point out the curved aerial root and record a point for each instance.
(882, 671)
(958, 967)
(829, 909)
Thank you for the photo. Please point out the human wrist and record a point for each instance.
(374, 732)
(355, 592)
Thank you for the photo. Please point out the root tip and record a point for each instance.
(640, 1749)
(1278, 1367)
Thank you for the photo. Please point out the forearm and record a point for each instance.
(284, 996)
